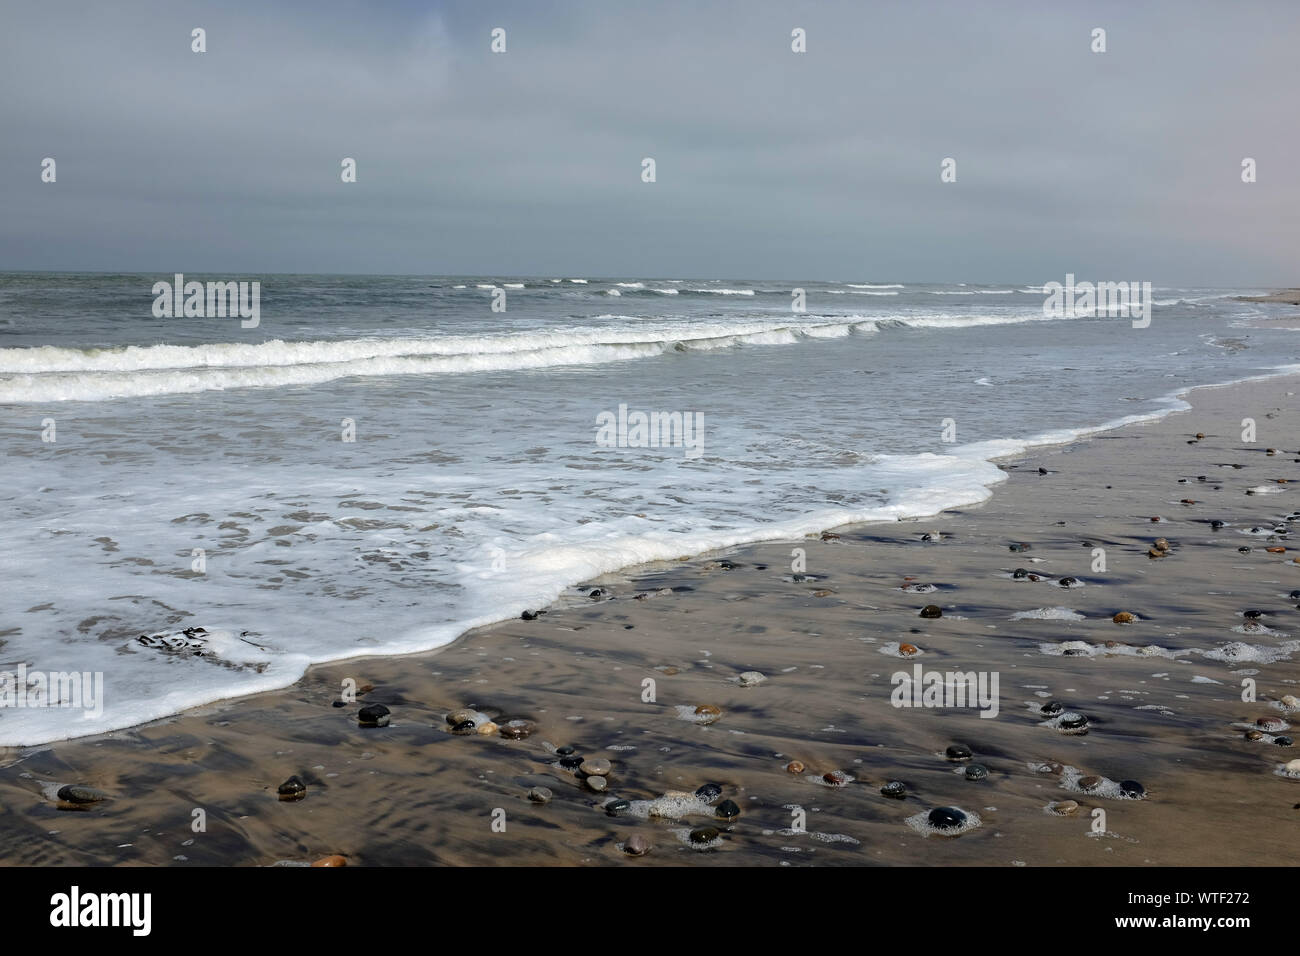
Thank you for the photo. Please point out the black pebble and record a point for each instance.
(1074, 722)
(374, 715)
(566, 750)
(959, 752)
(1132, 788)
(894, 790)
(292, 789)
(709, 792)
(1067, 582)
(462, 727)
(976, 772)
(704, 835)
(1020, 573)
(340, 703)
(617, 807)
(1283, 741)
(528, 616)
(946, 818)
(571, 762)
(728, 810)
(1051, 708)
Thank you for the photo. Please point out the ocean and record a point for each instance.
(385, 462)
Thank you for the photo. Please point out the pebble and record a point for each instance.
(1290, 700)
(711, 709)
(1072, 721)
(517, 729)
(1270, 723)
(1252, 615)
(540, 795)
(1244, 550)
(487, 727)
(1051, 708)
(1089, 783)
(617, 807)
(1254, 735)
(908, 650)
(931, 610)
(1067, 581)
(566, 750)
(1020, 573)
(596, 767)
(75, 793)
(1161, 544)
(1064, 807)
(704, 835)
(946, 818)
(636, 845)
(334, 860)
(1124, 617)
(1283, 741)
(709, 792)
(571, 762)
(750, 678)
(291, 789)
(794, 766)
(1019, 547)
(976, 772)
(528, 616)
(1131, 788)
(836, 778)
(728, 810)
(464, 727)
(959, 752)
(597, 783)
(1153, 553)
(1293, 766)
(894, 790)
(1216, 524)
(460, 717)
(374, 715)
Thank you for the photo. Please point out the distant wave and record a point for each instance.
(52, 373)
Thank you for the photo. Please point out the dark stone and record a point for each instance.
(292, 789)
(616, 807)
(339, 703)
(1067, 582)
(728, 810)
(374, 715)
(1073, 721)
(571, 761)
(1051, 708)
(528, 616)
(704, 834)
(976, 772)
(931, 610)
(959, 752)
(1131, 788)
(1252, 615)
(565, 750)
(894, 790)
(465, 726)
(946, 818)
(1244, 550)
(1020, 573)
(596, 593)
(75, 793)
(1019, 547)
(709, 792)
(1283, 741)
(1216, 524)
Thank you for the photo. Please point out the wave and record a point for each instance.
(50, 373)
(869, 285)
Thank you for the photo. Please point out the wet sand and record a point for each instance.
(415, 793)
(1282, 297)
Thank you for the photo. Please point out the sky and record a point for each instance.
(1122, 165)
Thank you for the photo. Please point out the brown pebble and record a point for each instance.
(794, 766)
(1200, 434)
(1065, 806)
(836, 778)
(1254, 735)
(1089, 783)
(1161, 544)
(636, 845)
(1188, 501)
(334, 860)
(703, 709)
(824, 592)
(1155, 553)
(908, 650)
(1124, 617)
(1153, 520)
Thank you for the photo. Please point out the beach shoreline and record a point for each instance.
(821, 636)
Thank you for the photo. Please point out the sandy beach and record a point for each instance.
(618, 674)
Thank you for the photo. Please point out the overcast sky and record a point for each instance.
(770, 164)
